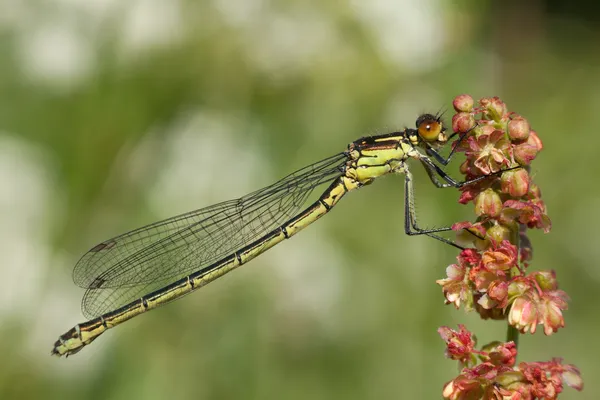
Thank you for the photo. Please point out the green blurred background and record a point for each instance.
(114, 114)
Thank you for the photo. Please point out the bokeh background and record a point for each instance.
(114, 114)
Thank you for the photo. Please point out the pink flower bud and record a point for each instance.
(515, 182)
(501, 257)
(518, 129)
(494, 107)
(462, 122)
(525, 153)
(488, 203)
(459, 344)
(546, 280)
(498, 291)
(499, 232)
(463, 103)
(503, 354)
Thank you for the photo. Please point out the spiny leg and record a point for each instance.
(411, 226)
(410, 219)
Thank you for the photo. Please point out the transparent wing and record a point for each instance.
(120, 270)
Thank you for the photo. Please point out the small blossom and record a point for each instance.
(531, 213)
(499, 233)
(501, 257)
(498, 292)
(463, 122)
(459, 344)
(495, 108)
(501, 354)
(488, 203)
(463, 388)
(515, 182)
(482, 278)
(525, 153)
(456, 289)
(550, 308)
(511, 385)
(518, 129)
(524, 314)
(518, 287)
(463, 103)
(489, 152)
(469, 257)
(546, 378)
(546, 280)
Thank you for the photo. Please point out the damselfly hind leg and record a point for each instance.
(410, 221)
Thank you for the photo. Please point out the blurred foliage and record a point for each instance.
(97, 113)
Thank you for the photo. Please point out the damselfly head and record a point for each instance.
(431, 129)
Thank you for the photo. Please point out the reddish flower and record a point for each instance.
(518, 128)
(496, 296)
(547, 378)
(482, 278)
(532, 213)
(456, 289)
(495, 109)
(511, 385)
(463, 122)
(489, 152)
(469, 257)
(501, 257)
(488, 203)
(546, 280)
(463, 388)
(525, 153)
(550, 308)
(459, 344)
(515, 182)
(463, 103)
(502, 354)
(498, 233)
(524, 314)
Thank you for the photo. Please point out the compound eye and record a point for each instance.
(430, 129)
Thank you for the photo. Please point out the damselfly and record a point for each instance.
(150, 266)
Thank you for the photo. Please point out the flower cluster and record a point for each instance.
(497, 377)
(491, 277)
(491, 274)
(496, 286)
(499, 148)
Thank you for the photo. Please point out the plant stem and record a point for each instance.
(512, 334)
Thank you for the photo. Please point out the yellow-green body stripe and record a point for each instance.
(367, 159)
(84, 333)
